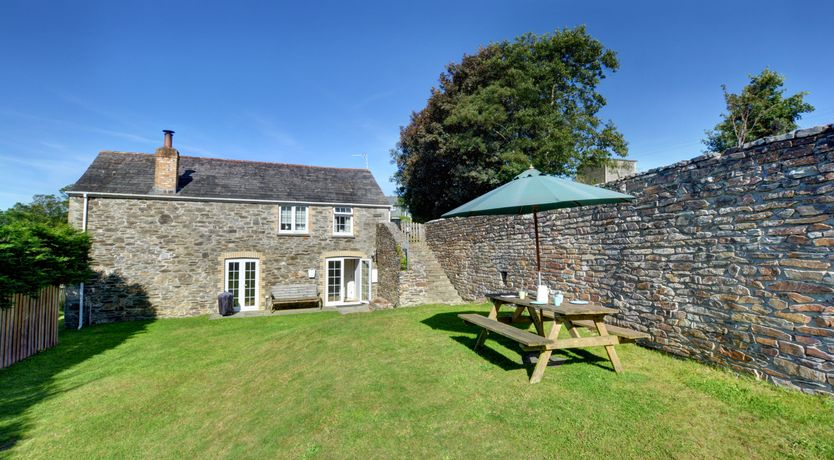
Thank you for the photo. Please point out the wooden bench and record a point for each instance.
(531, 341)
(290, 294)
(526, 339)
(628, 334)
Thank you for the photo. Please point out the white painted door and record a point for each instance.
(335, 295)
(242, 282)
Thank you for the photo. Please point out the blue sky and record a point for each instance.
(319, 82)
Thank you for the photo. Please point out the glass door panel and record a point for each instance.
(364, 280)
(249, 281)
(334, 280)
(233, 281)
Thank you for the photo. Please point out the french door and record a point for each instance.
(242, 281)
(364, 280)
(348, 281)
(334, 281)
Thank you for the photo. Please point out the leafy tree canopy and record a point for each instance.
(38, 248)
(45, 209)
(35, 255)
(529, 101)
(760, 110)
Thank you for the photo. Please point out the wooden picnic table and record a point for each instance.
(590, 316)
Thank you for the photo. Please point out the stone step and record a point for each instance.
(432, 285)
(437, 295)
(442, 294)
(427, 295)
(445, 285)
(439, 281)
(431, 302)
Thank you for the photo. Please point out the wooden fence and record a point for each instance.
(30, 326)
(413, 231)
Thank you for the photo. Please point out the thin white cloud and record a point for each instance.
(54, 146)
(383, 134)
(190, 149)
(372, 98)
(50, 165)
(270, 129)
(76, 126)
(86, 105)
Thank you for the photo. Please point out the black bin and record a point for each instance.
(225, 303)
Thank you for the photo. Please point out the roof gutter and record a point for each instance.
(220, 199)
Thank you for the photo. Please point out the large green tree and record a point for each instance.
(760, 110)
(38, 248)
(34, 255)
(44, 209)
(530, 101)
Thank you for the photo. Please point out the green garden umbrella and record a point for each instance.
(531, 192)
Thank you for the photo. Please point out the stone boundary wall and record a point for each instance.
(726, 258)
(388, 239)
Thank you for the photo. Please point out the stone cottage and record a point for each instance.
(170, 232)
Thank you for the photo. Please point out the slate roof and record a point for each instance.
(133, 173)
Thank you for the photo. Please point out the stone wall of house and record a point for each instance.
(165, 258)
(389, 243)
(725, 258)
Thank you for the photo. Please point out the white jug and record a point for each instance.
(541, 294)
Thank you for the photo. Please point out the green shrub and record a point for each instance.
(36, 255)
(403, 259)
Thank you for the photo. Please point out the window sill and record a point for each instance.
(343, 235)
(293, 234)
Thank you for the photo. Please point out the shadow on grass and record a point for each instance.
(449, 321)
(36, 379)
(491, 355)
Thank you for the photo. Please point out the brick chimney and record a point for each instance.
(165, 170)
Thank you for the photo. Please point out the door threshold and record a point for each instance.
(354, 308)
(340, 305)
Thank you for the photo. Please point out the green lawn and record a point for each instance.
(401, 383)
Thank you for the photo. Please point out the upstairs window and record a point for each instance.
(342, 221)
(293, 219)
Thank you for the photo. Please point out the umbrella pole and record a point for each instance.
(538, 255)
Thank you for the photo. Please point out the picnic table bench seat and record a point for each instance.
(530, 341)
(286, 294)
(525, 338)
(626, 333)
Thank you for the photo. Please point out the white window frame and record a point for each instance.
(293, 224)
(343, 211)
